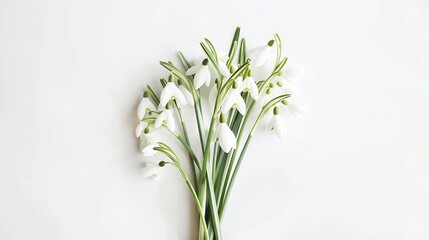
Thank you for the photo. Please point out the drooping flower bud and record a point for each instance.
(276, 110)
(171, 78)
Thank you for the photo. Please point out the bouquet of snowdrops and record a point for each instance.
(238, 103)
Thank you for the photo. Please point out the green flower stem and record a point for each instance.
(196, 200)
(207, 180)
(192, 158)
(199, 118)
(227, 175)
(215, 158)
(222, 205)
(231, 180)
(202, 199)
(228, 186)
(206, 176)
(166, 150)
(188, 148)
(197, 102)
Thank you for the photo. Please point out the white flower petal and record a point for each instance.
(140, 128)
(187, 94)
(144, 106)
(148, 151)
(143, 141)
(170, 121)
(239, 82)
(146, 140)
(241, 105)
(261, 56)
(233, 99)
(178, 95)
(254, 91)
(212, 95)
(250, 86)
(151, 170)
(160, 119)
(207, 75)
(228, 102)
(166, 94)
(279, 126)
(226, 138)
(202, 76)
(192, 70)
(165, 117)
(223, 68)
(171, 91)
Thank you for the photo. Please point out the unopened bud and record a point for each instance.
(235, 85)
(171, 78)
(276, 110)
(232, 69)
(146, 130)
(222, 118)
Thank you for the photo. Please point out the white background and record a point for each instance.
(72, 72)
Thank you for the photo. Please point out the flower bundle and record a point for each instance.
(224, 136)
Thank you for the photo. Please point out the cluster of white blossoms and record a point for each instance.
(229, 91)
(241, 93)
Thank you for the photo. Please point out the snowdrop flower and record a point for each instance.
(145, 106)
(139, 129)
(249, 85)
(166, 117)
(276, 124)
(202, 73)
(261, 54)
(222, 65)
(149, 151)
(225, 136)
(213, 94)
(171, 91)
(186, 93)
(147, 144)
(233, 99)
(151, 170)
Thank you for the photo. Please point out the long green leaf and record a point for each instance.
(234, 40)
